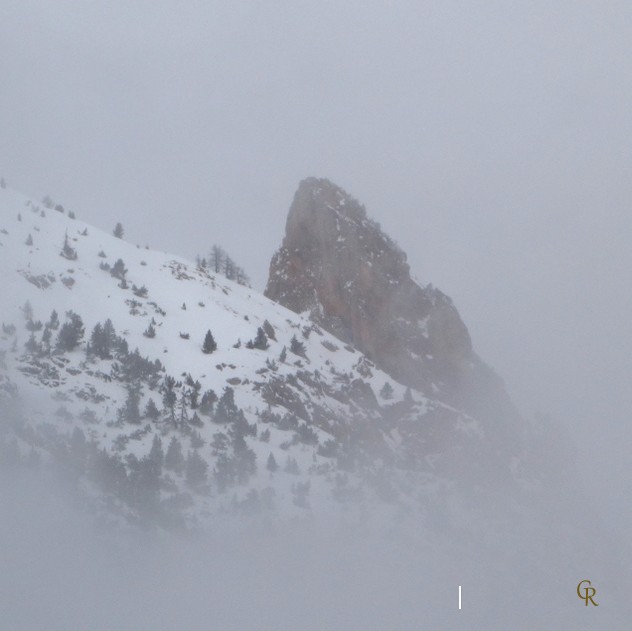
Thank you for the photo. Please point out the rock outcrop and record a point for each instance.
(338, 265)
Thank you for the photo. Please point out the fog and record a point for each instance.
(62, 571)
(491, 140)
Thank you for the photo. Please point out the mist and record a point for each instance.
(70, 564)
(63, 571)
(490, 141)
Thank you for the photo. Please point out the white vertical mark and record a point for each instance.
(459, 597)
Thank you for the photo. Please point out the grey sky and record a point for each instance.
(490, 139)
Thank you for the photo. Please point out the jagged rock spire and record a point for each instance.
(339, 266)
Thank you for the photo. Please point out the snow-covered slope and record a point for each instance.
(180, 298)
(315, 411)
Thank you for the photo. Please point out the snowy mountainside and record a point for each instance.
(338, 265)
(281, 414)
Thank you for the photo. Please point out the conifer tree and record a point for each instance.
(209, 398)
(194, 393)
(53, 322)
(268, 329)
(226, 409)
(169, 397)
(297, 347)
(118, 231)
(118, 270)
(109, 335)
(67, 251)
(121, 348)
(209, 345)
(71, 333)
(260, 342)
(183, 416)
(103, 340)
(46, 339)
(130, 412)
(151, 411)
(387, 391)
(229, 268)
(217, 259)
(93, 346)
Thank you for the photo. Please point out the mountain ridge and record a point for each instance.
(338, 266)
(281, 414)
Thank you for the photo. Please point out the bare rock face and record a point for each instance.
(336, 264)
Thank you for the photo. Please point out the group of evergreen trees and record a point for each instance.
(103, 340)
(297, 347)
(260, 341)
(137, 481)
(220, 262)
(69, 334)
(50, 204)
(235, 463)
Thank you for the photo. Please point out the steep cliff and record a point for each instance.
(337, 265)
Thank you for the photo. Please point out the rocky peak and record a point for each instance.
(338, 265)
